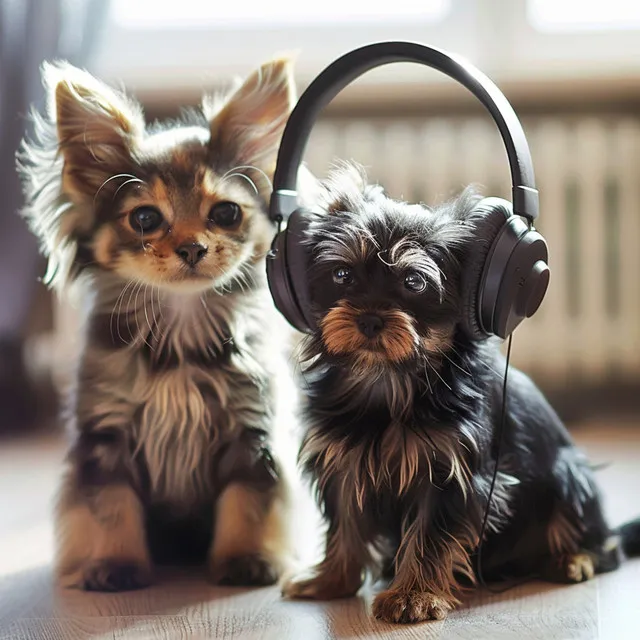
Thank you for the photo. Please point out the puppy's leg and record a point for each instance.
(341, 573)
(251, 543)
(427, 563)
(579, 540)
(100, 538)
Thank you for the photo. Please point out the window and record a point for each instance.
(583, 15)
(151, 14)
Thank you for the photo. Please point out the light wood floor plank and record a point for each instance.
(184, 605)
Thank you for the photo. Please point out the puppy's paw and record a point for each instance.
(320, 587)
(114, 574)
(579, 567)
(245, 571)
(407, 607)
(570, 568)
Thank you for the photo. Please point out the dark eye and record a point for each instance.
(145, 219)
(225, 214)
(342, 275)
(414, 282)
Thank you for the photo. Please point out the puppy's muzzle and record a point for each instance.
(387, 334)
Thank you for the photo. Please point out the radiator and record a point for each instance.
(587, 330)
(588, 174)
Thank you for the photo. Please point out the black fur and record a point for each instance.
(366, 416)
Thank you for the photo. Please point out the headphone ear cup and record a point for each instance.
(298, 258)
(489, 217)
(287, 266)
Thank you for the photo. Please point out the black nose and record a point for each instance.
(370, 325)
(192, 253)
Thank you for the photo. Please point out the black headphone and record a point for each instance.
(507, 275)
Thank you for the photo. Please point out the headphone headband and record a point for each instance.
(352, 65)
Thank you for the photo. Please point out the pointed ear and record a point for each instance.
(345, 186)
(96, 127)
(248, 128)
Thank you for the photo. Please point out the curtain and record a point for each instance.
(30, 31)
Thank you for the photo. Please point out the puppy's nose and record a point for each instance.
(370, 325)
(192, 252)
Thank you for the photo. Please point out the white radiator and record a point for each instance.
(588, 174)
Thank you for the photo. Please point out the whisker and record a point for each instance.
(455, 364)
(118, 304)
(250, 166)
(131, 308)
(128, 307)
(497, 373)
(436, 372)
(241, 175)
(146, 314)
(140, 332)
(117, 175)
(125, 183)
(160, 305)
(161, 324)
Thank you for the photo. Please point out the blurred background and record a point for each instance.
(571, 69)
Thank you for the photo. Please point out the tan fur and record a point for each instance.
(425, 585)
(563, 533)
(404, 456)
(341, 572)
(432, 566)
(396, 605)
(107, 526)
(159, 264)
(100, 134)
(580, 567)
(249, 523)
(176, 430)
(105, 243)
(341, 335)
(328, 581)
(175, 367)
(439, 340)
(255, 118)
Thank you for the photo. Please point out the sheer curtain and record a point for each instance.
(30, 31)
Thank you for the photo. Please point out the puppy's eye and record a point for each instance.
(342, 275)
(225, 214)
(414, 282)
(145, 219)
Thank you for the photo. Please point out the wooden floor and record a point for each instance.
(185, 606)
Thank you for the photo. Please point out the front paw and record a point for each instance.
(115, 574)
(321, 587)
(407, 607)
(245, 571)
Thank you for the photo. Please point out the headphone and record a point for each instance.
(506, 276)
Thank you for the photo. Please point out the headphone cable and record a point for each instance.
(501, 430)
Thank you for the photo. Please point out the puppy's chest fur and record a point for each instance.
(381, 452)
(186, 382)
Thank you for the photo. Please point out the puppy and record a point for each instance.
(162, 230)
(401, 417)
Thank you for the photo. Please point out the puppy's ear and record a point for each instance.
(248, 128)
(97, 127)
(85, 138)
(345, 187)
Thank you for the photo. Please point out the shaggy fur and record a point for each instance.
(401, 414)
(162, 232)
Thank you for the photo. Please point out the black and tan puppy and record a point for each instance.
(401, 416)
(163, 231)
